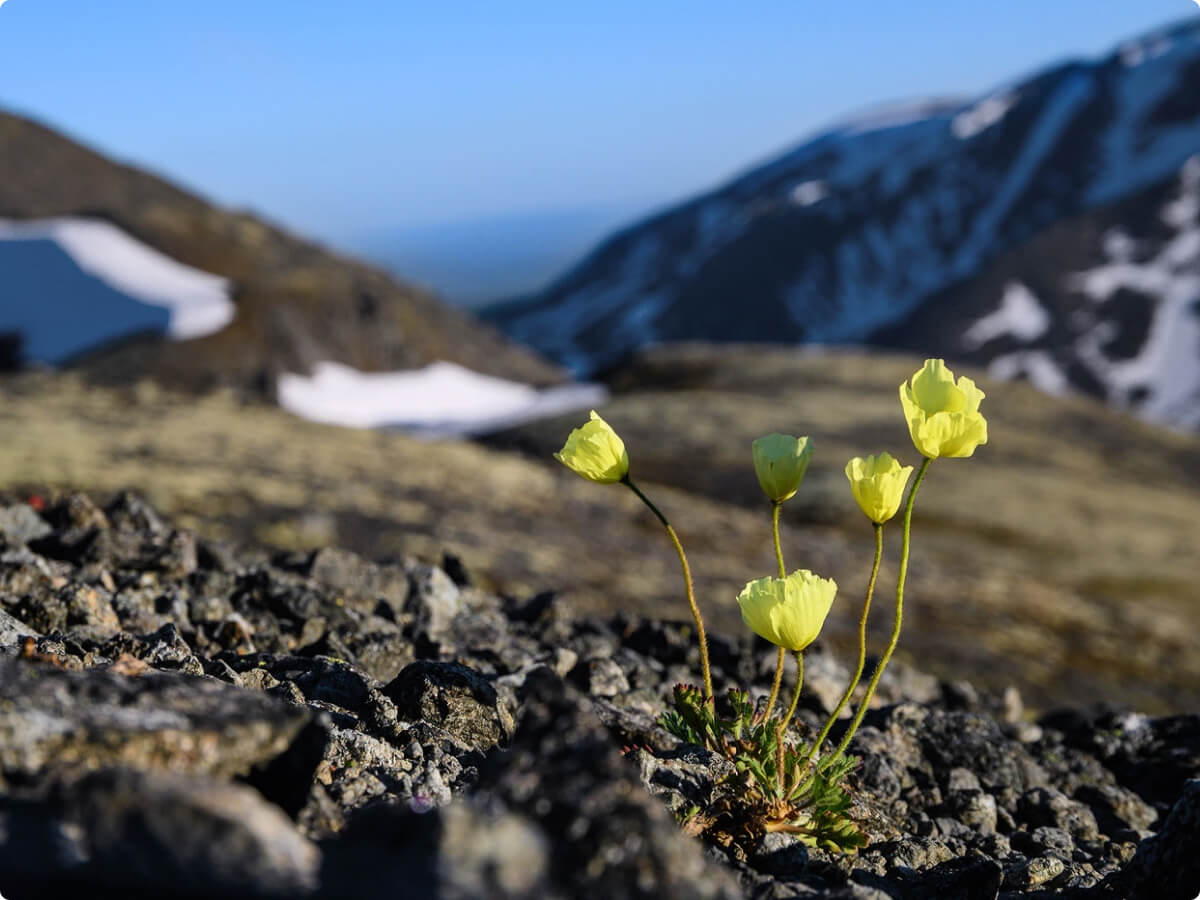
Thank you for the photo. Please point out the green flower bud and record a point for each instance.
(780, 462)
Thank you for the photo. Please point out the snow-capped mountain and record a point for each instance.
(1107, 303)
(851, 235)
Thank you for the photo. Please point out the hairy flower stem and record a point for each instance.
(776, 505)
(687, 583)
(887, 654)
(796, 696)
(862, 650)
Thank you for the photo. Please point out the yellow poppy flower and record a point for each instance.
(596, 452)
(788, 612)
(877, 483)
(943, 414)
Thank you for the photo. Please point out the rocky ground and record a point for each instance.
(1059, 558)
(179, 718)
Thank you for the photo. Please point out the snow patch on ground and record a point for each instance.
(894, 115)
(809, 192)
(982, 115)
(1137, 53)
(1118, 245)
(198, 301)
(1019, 314)
(1038, 366)
(1163, 380)
(441, 400)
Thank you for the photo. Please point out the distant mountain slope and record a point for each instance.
(855, 230)
(296, 303)
(1107, 303)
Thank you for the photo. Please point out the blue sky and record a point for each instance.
(343, 118)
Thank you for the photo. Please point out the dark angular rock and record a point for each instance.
(976, 743)
(50, 718)
(434, 601)
(121, 830)
(973, 808)
(1047, 806)
(12, 630)
(362, 582)
(1153, 757)
(601, 678)
(385, 850)
(129, 512)
(1116, 808)
(606, 836)
(963, 878)
(454, 567)
(1034, 873)
(1167, 866)
(454, 698)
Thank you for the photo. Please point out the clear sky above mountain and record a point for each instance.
(343, 118)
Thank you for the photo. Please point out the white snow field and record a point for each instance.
(441, 400)
(198, 302)
(71, 284)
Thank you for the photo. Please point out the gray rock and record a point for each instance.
(1116, 808)
(976, 743)
(21, 524)
(601, 678)
(433, 601)
(51, 718)
(961, 878)
(1044, 840)
(12, 630)
(974, 808)
(492, 853)
(124, 830)
(454, 698)
(962, 780)
(685, 776)
(1047, 806)
(1034, 873)
(607, 836)
(1167, 866)
(363, 583)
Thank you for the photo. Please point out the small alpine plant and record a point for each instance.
(784, 781)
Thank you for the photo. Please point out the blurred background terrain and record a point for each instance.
(461, 243)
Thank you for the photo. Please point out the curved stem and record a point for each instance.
(862, 649)
(775, 685)
(799, 684)
(775, 507)
(887, 654)
(687, 582)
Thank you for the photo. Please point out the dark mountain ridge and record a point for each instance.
(855, 230)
